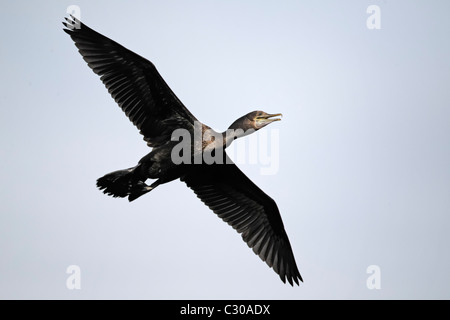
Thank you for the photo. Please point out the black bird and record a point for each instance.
(141, 92)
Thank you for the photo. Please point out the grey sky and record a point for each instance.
(364, 176)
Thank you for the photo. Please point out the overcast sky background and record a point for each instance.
(364, 152)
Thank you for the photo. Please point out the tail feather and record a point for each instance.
(117, 183)
(124, 183)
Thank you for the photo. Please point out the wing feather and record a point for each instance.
(240, 203)
(133, 82)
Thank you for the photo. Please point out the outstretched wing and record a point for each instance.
(133, 82)
(228, 192)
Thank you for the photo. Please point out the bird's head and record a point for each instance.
(259, 119)
(249, 123)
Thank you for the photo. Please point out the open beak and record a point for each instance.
(264, 120)
(269, 116)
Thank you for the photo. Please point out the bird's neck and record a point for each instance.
(235, 131)
(214, 140)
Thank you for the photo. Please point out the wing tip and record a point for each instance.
(72, 23)
(292, 279)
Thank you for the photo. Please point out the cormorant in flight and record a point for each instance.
(140, 91)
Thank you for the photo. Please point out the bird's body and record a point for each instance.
(186, 149)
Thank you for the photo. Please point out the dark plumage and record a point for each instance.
(141, 92)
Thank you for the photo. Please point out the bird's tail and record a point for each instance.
(123, 183)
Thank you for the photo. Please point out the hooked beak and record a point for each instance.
(266, 119)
